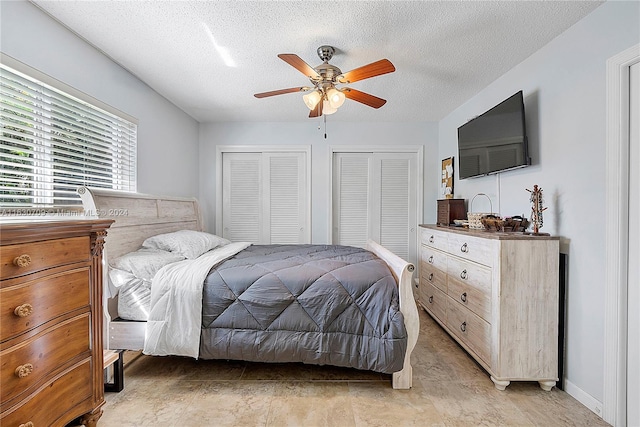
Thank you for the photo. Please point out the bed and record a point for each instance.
(310, 335)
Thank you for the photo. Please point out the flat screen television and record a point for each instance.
(494, 141)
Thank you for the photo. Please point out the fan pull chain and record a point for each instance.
(324, 117)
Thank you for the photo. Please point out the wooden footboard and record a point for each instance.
(138, 216)
(403, 272)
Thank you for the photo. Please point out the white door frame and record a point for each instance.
(617, 239)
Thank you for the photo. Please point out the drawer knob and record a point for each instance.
(431, 239)
(24, 370)
(431, 299)
(22, 261)
(23, 310)
(463, 327)
(27, 424)
(431, 259)
(464, 248)
(464, 275)
(430, 277)
(463, 297)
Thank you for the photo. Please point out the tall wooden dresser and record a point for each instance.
(51, 322)
(497, 295)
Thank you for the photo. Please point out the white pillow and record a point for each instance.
(134, 295)
(145, 263)
(188, 243)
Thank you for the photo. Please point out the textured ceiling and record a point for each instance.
(210, 57)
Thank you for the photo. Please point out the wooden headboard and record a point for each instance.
(138, 216)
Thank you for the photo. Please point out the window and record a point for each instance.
(53, 142)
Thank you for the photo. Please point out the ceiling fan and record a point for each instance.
(324, 96)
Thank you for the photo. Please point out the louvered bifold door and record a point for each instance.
(265, 197)
(375, 197)
(242, 197)
(396, 182)
(351, 201)
(286, 212)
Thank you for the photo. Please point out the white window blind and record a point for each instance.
(53, 142)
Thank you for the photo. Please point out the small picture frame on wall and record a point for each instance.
(447, 178)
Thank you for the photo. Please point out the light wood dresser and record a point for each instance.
(497, 295)
(51, 322)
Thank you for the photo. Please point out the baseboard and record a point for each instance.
(583, 397)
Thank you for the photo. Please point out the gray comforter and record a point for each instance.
(317, 304)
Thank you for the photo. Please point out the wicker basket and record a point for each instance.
(475, 218)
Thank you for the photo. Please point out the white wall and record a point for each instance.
(167, 137)
(307, 133)
(565, 105)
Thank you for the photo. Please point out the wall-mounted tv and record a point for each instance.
(494, 141)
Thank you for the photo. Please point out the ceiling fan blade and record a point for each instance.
(296, 62)
(374, 69)
(281, 91)
(364, 98)
(316, 112)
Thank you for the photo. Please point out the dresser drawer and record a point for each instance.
(472, 248)
(433, 267)
(470, 329)
(433, 276)
(18, 260)
(434, 300)
(45, 409)
(475, 299)
(434, 258)
(32, 360)
(32, 303)
(470, 274)
(433, 238)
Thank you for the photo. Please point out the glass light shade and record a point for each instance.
(327, 108)
(311, 99)
(335, 97)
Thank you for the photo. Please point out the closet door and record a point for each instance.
(397, 208)
(351, 199)
(375, 197)
(264, 197)
(633, 273)
(242, 197)
(284, 208)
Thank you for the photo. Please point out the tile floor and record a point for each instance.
(449, 389)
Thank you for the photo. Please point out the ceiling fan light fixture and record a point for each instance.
(311, 99)
(327, 108)
(336, 98)
(324, 78)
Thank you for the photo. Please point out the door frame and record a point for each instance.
(616, 239)
(418, 150)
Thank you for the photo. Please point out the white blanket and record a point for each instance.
(175, 316)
